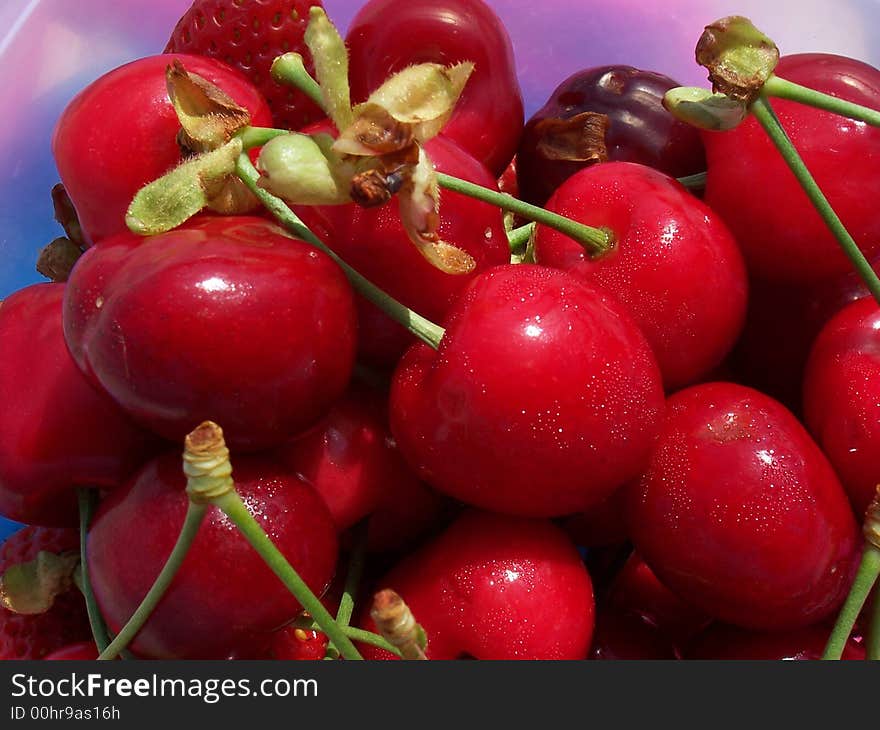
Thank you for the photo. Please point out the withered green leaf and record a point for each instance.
(178, 195)
(701, 108)
(331, 66)
(208, 116)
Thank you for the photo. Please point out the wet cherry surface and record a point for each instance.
(740, 513)
(224, 594)
(57, 430)
(674, 263)
(782, 236)
(842, 398)
(223, 319)
(542, 398)
(495, 587)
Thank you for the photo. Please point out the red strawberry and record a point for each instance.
(33, 637)
(249, 35)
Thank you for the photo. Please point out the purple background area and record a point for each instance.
(49, 49)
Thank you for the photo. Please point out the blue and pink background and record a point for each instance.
(49, 49)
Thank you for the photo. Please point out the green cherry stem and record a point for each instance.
(241, 517)
(697, 181)
(872, 642)
(96, 620)
(195, 513)
(356, 562)
(289, 69)
(595, 240)
(423, 328)
(782, 89)
(866, 577)
(360, 635)
(518, 238)
(258, 136)
(770, 122)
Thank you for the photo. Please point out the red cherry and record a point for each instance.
(782, 322)
(740, 513)
(224, 595)
(542, 398)
(675, 265)
(351, 460)
(34, 636)
(626, 636)
(222, 318)
(57, 431)
(292, 644)
(637, 591)
(373, 241)
(749, 184)
(120, 132)
(640, 129)
(729, 642)
(495, 587)
(842, 398)
(388, 35)
(84, 651)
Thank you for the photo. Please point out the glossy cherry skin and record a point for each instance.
(386, 36)
(640, 129)
(57, 431)
(542, 398)
(781, 234)
(224, 594)
(740, 513)
(674, 265)
(223, 319)
(373, 241)
(84, 651)
(351, 460)
(720, 641)
(496, 587)
(842, 398)
(120, 132)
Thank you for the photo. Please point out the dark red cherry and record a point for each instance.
(120, 133)
(720, 641)
(84, 651)
(351, 460)
(627, 636)
(388, 35)
(292, 644)
(223, 318)
(639, 129)
(495, 587)
(224, 594)
(374, 242)
(674, 264)
(782, 322)
(542, 398)
(842, 398)
(751, 187)
(740, 513)
(57, 431)
(636, 591)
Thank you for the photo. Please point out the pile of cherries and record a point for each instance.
(663, 447)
